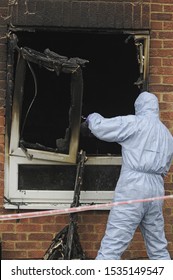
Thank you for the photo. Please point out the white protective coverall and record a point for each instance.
(147, 152)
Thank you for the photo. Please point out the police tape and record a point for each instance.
(70, 210)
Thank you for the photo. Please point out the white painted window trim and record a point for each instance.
(41, 199)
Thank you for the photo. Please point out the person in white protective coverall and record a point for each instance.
(147, 152)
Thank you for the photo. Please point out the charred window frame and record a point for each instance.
(142, 45)
(67, 146)
(37, 160)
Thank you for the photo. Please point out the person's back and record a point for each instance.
(149, 148)
(147, 151)
(151, 145)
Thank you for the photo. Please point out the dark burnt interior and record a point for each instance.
(108, 84)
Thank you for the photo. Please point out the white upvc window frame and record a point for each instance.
(40, 199)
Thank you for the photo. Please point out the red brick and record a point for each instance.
(167, 61)
(40, 236)
(168, 97)
(62, 219)
(36, 254)
(43, 220)
(99, 228)
(139, 255)
(168, 80)
(157, 7)
(167, 211)
(156, 61)
(87, 245)
(127, 255)
(14, 236)
(157, 25)
(46, 244)
(155, 43)
(161, 88)
(136, 246)
(164, 53)
(51, 228)
(7, 227)
(29, 245)
(8, 245)
(167, 115)
(161, 16)
(14, 255)
(167, 178)
(28, 228)
(1, 139)
(168, 228)
(161, 70)
(89, 236)
(154, 79)
(91, 255)
(168, 8)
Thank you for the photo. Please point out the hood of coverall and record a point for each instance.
(146, 104)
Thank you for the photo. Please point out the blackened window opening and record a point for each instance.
(49, 114)
(109, 87)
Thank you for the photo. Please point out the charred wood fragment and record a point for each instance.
(66, 244)
(53, 61)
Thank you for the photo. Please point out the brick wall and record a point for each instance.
(29, 238)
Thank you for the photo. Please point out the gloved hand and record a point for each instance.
(87, 119)
(85, 131)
